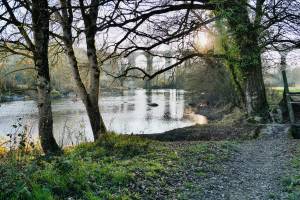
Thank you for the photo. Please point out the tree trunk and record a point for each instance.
(251, 68)
(40, 20)
(94, 70)
(96, 120)
(90, 25)
(256, 101)
(242, 98)
(246, 37)
(94, 90)
(254, 86)
(91, 106)
(89, 98)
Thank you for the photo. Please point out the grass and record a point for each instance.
(275, 94)
(115, 167)
(292, 182)
(292, 89)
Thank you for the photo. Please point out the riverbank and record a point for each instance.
(207, 132)
(221, 126)
(25, 95)
(261, 166)
(30, 94)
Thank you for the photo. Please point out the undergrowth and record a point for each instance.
(114, 167)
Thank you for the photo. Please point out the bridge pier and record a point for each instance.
(149, 69)
(149, 65)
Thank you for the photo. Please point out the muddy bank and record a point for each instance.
(214, 132)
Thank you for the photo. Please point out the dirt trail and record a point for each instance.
(256, 169)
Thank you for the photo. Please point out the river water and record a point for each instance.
(124, 112)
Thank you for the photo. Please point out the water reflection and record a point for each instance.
(167, 114)
(148, 108)
(126, 112)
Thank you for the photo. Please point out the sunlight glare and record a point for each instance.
(203, 41)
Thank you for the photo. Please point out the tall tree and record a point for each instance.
(257, 26)
(35, 47)
(246, 37)
(90, 17)
(89, 95)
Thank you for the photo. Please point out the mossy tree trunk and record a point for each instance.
(246, 37)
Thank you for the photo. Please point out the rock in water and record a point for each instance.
(152, 104)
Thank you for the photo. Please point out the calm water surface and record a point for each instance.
(125, 112)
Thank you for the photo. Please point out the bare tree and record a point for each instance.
(77, 17)
(89, 95)
(28, 25)
(252, 27)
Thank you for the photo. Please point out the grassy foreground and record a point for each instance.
(115, 167)
(292, 181)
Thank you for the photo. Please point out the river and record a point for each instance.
(124, 112)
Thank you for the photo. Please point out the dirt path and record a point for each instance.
(255, 170)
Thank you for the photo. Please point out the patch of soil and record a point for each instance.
(207, 132)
